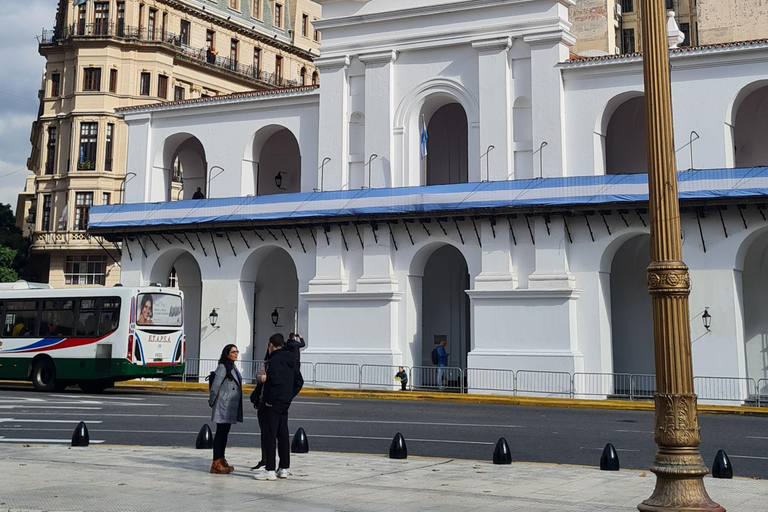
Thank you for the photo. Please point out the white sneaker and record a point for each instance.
(265, 475)
(282, 473)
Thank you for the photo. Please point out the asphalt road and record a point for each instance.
(465, 431)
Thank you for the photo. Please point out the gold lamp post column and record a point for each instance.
(678, 465)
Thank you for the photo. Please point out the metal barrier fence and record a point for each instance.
(737, 389)
(521, 382)
(434, 377)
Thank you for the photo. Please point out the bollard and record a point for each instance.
(80, 436)
(609, 461)
(300, 442)
(398, 450)
(204, 438)
(502, 454)
(721, 467)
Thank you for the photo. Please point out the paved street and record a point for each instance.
(436, 429)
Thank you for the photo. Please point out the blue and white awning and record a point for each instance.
(579, 191)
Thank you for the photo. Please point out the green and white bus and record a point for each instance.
(92, 337)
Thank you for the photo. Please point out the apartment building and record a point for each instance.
(613, 26)
(103, 55)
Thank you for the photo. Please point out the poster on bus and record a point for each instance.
(159, 309)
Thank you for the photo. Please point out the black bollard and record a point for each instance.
(398, 450)
(80, 436)
(609, 461)
(502, 453)
(300, 442)
(204, 438)
(721, 467)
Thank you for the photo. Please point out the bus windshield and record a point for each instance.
(159, 309)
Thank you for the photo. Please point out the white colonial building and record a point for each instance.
(520, 237)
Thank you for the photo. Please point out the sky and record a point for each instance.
(20, 78)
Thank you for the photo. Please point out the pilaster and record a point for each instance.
(552, 271)
(333, 138)
(379, 117)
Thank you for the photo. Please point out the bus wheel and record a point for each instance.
(93, 386)
(44, 375)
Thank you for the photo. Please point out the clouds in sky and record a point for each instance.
(20, 79)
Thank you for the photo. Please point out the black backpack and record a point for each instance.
(435, 357)
(210, 378)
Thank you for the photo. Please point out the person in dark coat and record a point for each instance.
(257, 396)
(282, 383)
(294, 343)
(226, 400)
(198, 194)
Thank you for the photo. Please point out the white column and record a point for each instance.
(378, 272)
(495, 79)
(333, 138)
(379, 112)
(497, 271)
(547, 101)
(552, 271)
(330, 274)
(139, 188)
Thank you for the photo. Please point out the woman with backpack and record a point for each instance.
(226, 399)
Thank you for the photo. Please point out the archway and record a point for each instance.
(439, 280)
(273, 159)
(625, 138)
(751, 130)
(755, 296)
(631, 312)
(270, 287)
(178, 268)
(180, 167)
(447, 145)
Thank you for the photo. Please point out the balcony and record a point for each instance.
(168, 40)
(63, 240)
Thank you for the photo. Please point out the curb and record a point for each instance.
(571, 403)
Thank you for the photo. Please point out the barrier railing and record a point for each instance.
(544, 383)
(434, 377)
(523, 382)
(725, 388)
(381, 375)
(487, 379)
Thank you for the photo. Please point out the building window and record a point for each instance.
(120, 19)
(81, 21)
(50, 157)
(303, 77)
(106, 198)
(141, 17)
(315, 78)
(628, 40)
(144, 84)
(627, 6)
(85, 270)
(278, 68)
(304, 25)
(669, 4)
(317, 36)
(233, 46)
(151, 24)
(256, 61)
(233, 4)
(92, 79)
(55, 85)
(101, 18)
(278, 15)
(83, 203)
(88, 136)
(178, 93)
(685, 28)
(45, 225)
(162, 86)
(209, 35)
(185, 29)
(256, 10)
(113, 80)
(108, 147)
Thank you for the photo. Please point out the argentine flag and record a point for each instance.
(424, 137)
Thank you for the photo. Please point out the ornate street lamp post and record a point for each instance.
(678, 465)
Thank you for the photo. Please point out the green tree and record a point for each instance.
(7, 272)
(13, 246)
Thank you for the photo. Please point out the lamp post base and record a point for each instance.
(678, 466)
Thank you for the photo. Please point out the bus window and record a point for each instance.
(20, 318)
(110, 315)
(86, 318)
(58, 318)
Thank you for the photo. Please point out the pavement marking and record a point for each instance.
(601, 449)
(747, 457)
(410, 439)
(17, 420)
(47, 407)
(635, 431)
(757, 437)
(43, 441)
(398, 422)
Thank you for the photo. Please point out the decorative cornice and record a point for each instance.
(332, 62)
(492, 44)
(561, 35)
(385, 57)
(386, 296)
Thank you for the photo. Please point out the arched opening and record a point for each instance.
(447, 145)
(270, 287)
(631, 313)
(274, 160)
(181, 169)
(755, 296)
(440, 285)
(315, 78)
(751, 130)
(178, 268)
(625, 139)
(303, 77)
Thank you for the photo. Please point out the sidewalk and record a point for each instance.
(103, 478)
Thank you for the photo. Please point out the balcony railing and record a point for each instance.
(169, 39)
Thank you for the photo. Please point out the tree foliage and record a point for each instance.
(13, 246)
